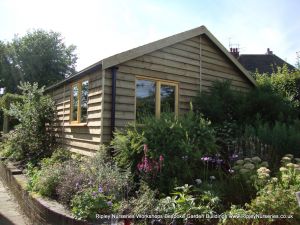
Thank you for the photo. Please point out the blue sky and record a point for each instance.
(103, 28)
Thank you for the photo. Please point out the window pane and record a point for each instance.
(74, 102)
(145, 98)
(167, 98)
(84, 100)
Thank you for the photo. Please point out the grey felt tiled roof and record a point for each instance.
(263, 63)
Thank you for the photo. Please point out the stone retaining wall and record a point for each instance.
(39, 210)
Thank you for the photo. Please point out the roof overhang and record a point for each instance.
(153, 46)
(156, 45)
(76, 76)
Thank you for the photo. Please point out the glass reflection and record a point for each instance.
(145, 98)
(74, 102)
(84, 100)
(167, 98)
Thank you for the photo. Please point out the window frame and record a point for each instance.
(79, 84)
(158, 83)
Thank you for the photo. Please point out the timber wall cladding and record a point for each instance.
(81, 139)
(182, 62)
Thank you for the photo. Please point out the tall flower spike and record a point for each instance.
(145, 149)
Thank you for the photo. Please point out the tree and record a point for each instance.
(39, 56)
(7, 78)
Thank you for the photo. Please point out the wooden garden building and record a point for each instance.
(162, 76)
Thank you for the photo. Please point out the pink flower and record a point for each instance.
(161, 158)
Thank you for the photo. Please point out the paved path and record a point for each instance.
(10, 213)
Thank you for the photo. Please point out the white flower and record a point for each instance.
(249, 166)
(198, 181)
(212, 177)
(256, 159)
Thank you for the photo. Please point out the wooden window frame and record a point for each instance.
(77, 122)
(158, 83)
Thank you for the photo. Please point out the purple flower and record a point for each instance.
(100, 190)
(233, 157)
(206, 158)
(109, 203)
(219, 161)
(94, 193)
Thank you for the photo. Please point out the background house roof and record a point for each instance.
(263, 63)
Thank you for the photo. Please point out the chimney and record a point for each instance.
(235, 52)
(269, 52)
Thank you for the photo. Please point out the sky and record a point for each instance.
(103, 28)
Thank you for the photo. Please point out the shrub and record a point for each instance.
(31, 136)
(220, 104)
(284, 82)
(144, 203)
(71, 182)
(91, 201)
(223, 104)
(182, 202)
(284, 138)
(45, 179)
(95, 186)
(274, 196)
(165, 152)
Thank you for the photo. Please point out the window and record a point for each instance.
(154, 97)
(79, 101)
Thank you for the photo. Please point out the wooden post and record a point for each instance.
(5, 123)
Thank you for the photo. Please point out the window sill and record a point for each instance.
(78, 124)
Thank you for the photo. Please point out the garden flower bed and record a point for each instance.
(38, 209)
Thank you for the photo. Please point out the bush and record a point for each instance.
(45, 179)
(91, 201)
(70, 183)
(31, 137)
(223, 104)
(284, 82)
(144, 203)
(284, 138)
(165, 152)
(274, 196)
(183, 202)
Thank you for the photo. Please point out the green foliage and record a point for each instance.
(45, 179)
(283, 137)
(284, 82)
(88, 203)
(39, 56)
(71, 182)
(183, 202)
(144, 203)
(165, 152)
(274, 196)
(8, 99)
(31, 138)
(7, 79)
(222, 104)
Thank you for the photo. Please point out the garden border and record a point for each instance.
(37, 209)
